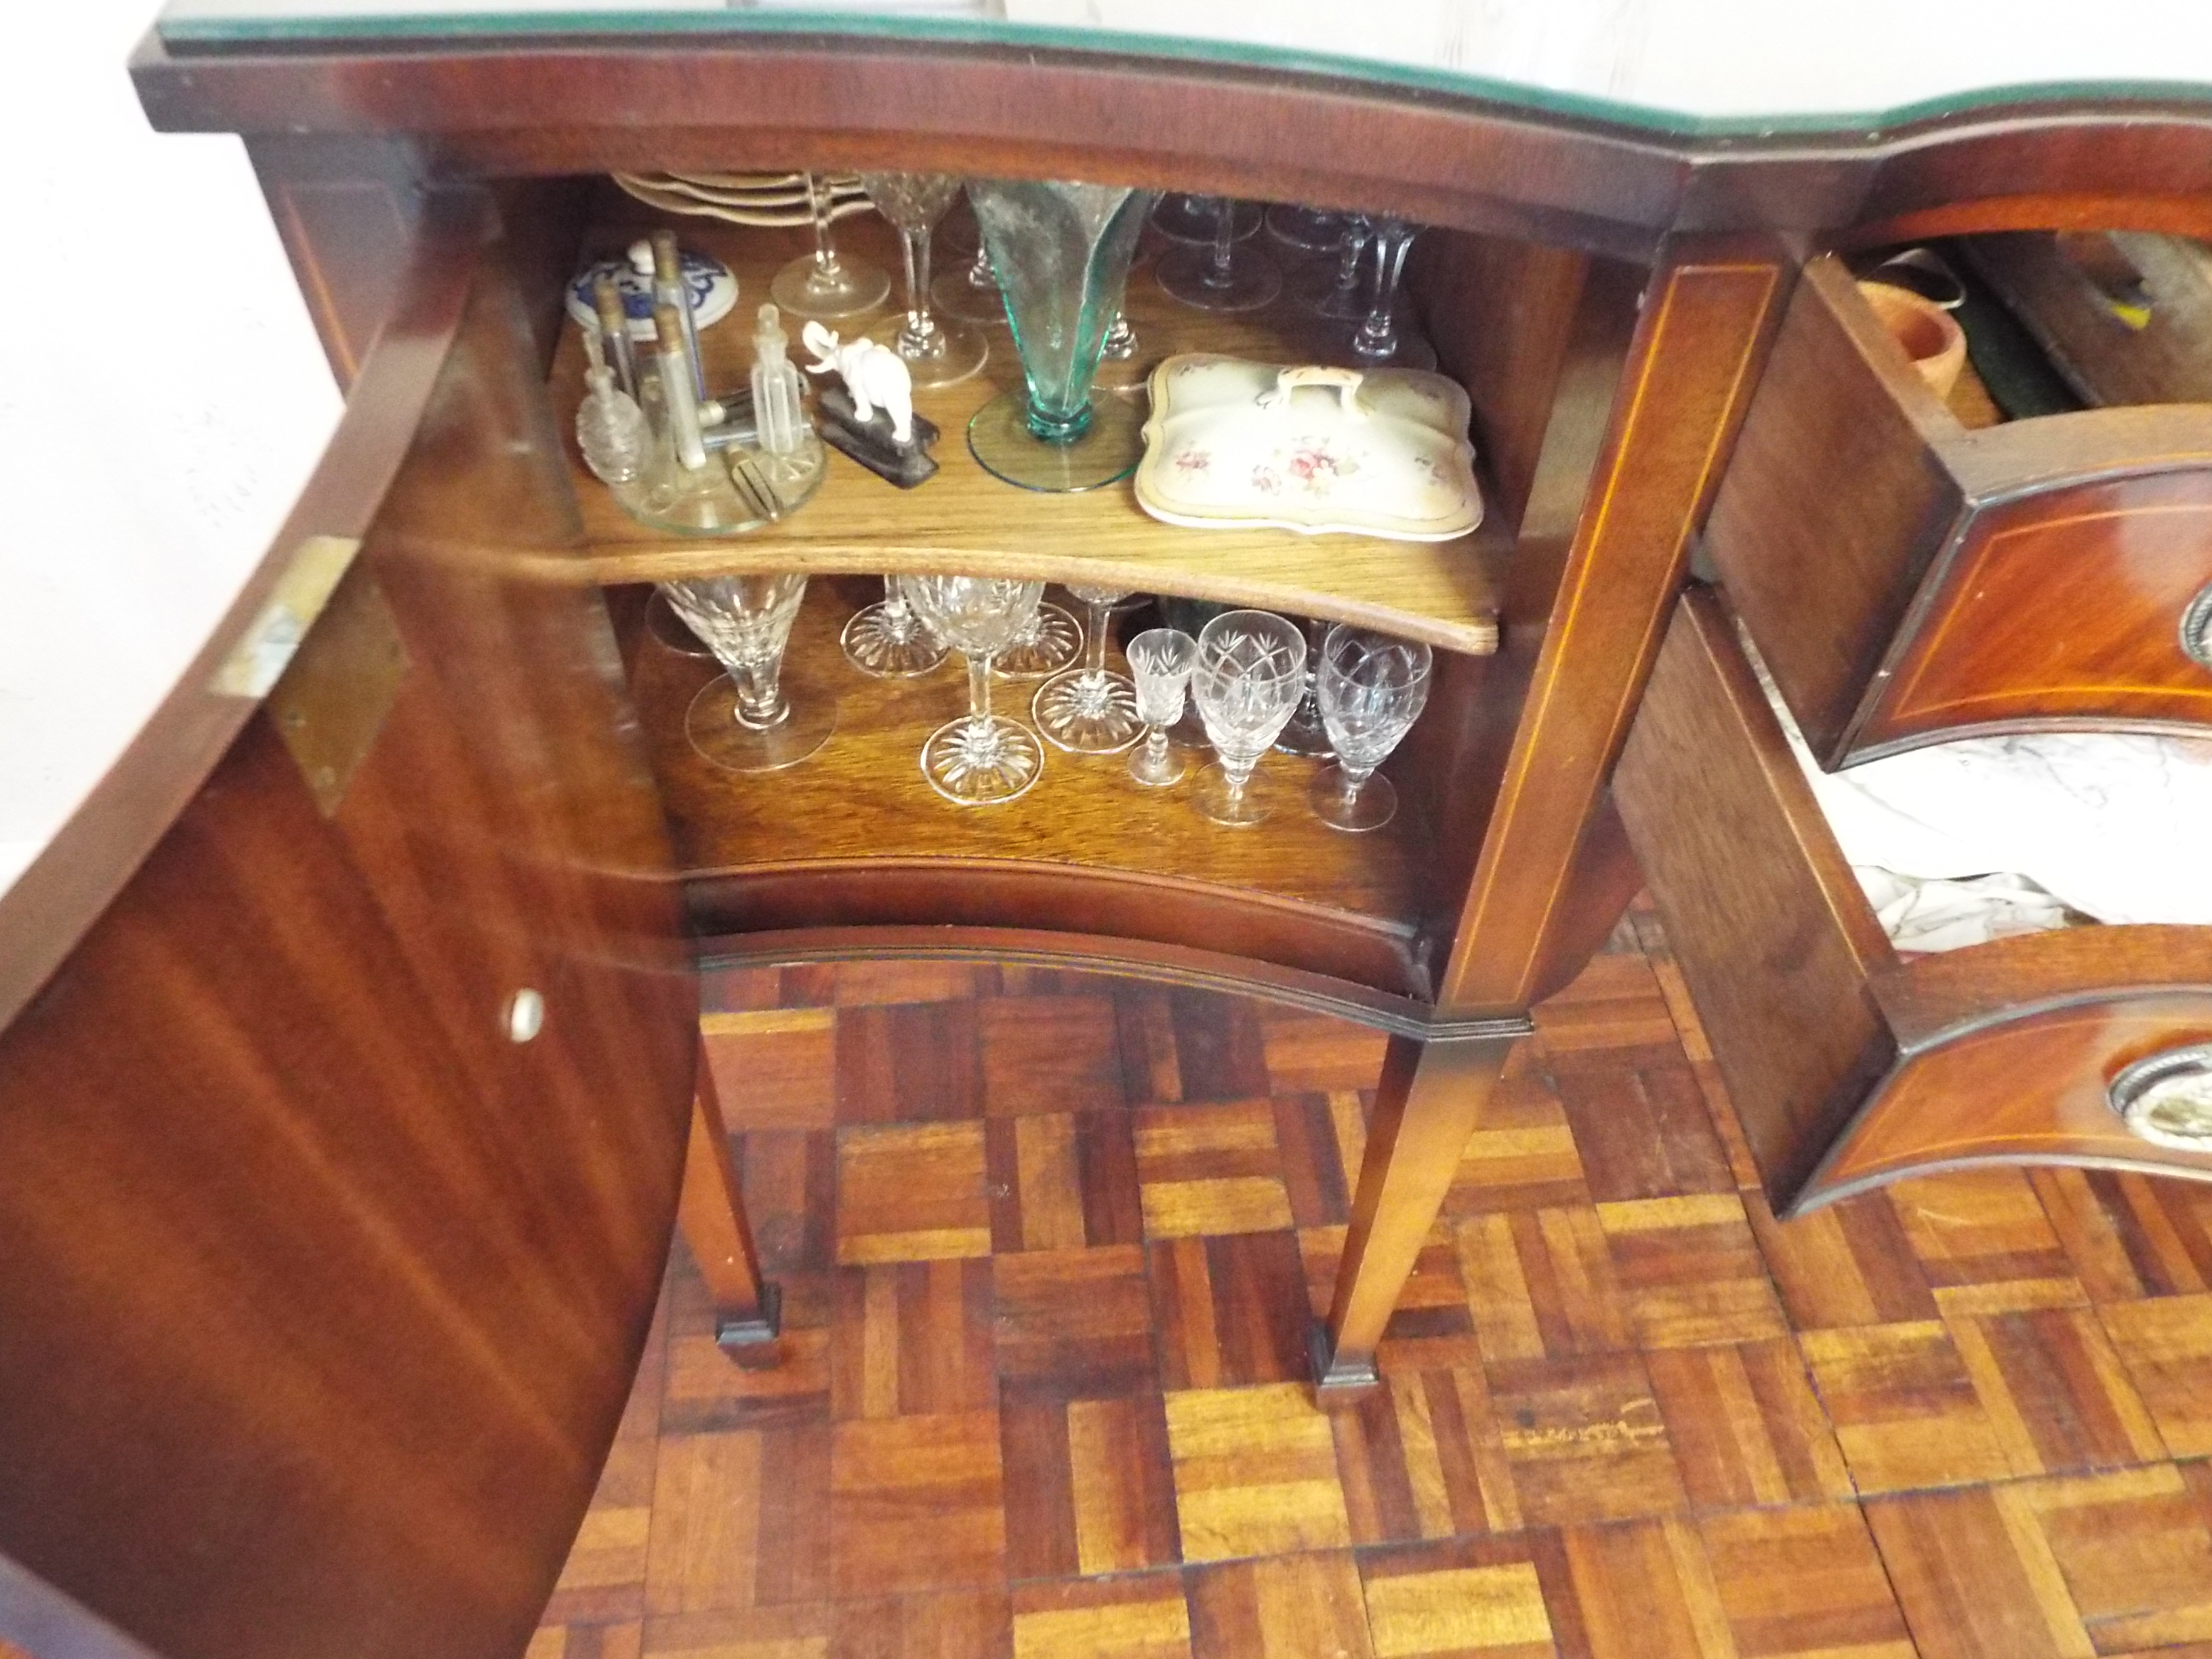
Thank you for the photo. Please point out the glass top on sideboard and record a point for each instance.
(1693, 67)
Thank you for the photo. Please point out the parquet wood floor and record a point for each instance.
(1048, 1244)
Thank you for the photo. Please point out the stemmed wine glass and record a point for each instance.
(1305, 734)
(1246, 681)
(1373, 688)
(1334, 289)
(1379, 343)
(936, 353)
(825, 284)
(981, 759)
(887, 641)
(1160, 661)
(972, 294)
(1222, 275)
(1188, 218)
(1089, 710)
(1049, 643)
(1309, 230)
(744, 721)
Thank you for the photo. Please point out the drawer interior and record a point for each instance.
(1848, 1066)
(1909, 577)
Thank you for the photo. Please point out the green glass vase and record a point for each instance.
(1061, 252)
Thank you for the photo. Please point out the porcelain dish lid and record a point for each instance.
(1234, 444)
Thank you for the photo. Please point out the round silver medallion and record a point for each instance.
(2167, 1098)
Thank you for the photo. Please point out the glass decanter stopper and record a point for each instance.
(611, 430)
(776, 409)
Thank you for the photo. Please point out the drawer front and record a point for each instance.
(1909, 581)
(1848, 1068)
(2079, 606)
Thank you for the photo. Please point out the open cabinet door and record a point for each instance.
(343, 1120)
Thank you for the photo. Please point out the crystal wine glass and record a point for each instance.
(1159, 661)
(1050, 643)
(826, 283)
(936, 353)
(1187, 218)
(1306, 735)
(1379, 341)
(1089, 710)
(1334, 287)
(744, 721)
(1222, 275)
(887, 641)
(1246, 681)
(1373, 688)
(981, 759)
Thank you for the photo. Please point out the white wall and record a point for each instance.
(162, 398)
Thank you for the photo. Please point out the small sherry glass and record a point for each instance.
(1160, 661)
(1372, 688)
(1089, 710)
(981, 759)
(1250, 671)
(746, 721)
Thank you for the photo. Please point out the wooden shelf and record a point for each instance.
(966, 520)
(862, 799)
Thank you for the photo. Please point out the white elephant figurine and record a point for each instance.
(875, 375)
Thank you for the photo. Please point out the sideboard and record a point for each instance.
(349, 1050)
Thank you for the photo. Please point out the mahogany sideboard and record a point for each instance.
(348, 1069)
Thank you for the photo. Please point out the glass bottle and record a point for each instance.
(777, 414)
(610, 430)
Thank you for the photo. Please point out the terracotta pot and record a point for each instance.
(1929, 334)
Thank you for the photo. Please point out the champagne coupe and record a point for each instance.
(1332, 288)
(1380, 343)
(1246, 681)
(981, 759)
(1373, 688)
(1185, 218)
(1089, 710)
(1309, 230)
(746, 721)
(825, 284)
(972, 294)
(887, 641)
(935, 352)
(1062, 251)
(1049, 643)
(1160, 661)
(1223, 275)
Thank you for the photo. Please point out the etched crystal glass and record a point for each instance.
(1160, 661)
(1372, 688)
(746, 721)
(1221, 275)
(1250, 671)
(1062, 253)
(825, 284)
(981, 759)
(1050, 642)
(1089, 710)
(887, 641)
(936, 352)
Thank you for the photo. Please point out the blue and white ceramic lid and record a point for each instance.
(713, 292)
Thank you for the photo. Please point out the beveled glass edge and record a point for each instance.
(639, 28)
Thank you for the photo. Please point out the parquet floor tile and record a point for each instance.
(1049, 1246)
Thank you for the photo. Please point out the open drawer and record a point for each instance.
(1909, 580)
(1849, 1067)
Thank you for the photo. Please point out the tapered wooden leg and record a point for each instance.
(1427, 1104)
(748, 1310)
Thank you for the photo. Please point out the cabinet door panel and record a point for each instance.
(320, 1294)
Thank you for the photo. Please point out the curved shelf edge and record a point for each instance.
(1167, 964)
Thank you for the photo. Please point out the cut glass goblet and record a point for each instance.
(746, 721)
(1089, 710)
(1160, 661)
(981, 759)
(887, 641)
(936, 352)
(1246, 681)
(1372, 688)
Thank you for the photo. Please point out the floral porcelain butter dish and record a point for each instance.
(1233, 444)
